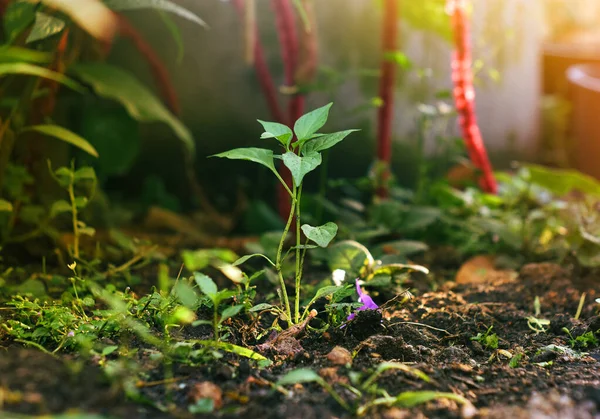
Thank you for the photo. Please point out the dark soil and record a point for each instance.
(431, 332)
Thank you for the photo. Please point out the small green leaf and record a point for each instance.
(80, 202)
(107, 350)
(300, 166)
(301, 375)
(5, 206)
(186, 294)
(44, 27)
(413, 398)
(164, 5)
(395, 267)
(84, 174)
(34, 70)
(322, 235)
(281, 132)
(206, 285)
(260, 307)
(64, 135)
(326, 291)
(311, 122)
(59, 207)
(229, 347)
(11, 54)
(326, 141)
(230, 312)
(257, 155)
(202, 405)
(245, 258)
(87, 231)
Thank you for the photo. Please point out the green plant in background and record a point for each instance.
(209, 288)
(301, 156)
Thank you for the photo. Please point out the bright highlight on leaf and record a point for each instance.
(90, 15)
(65, 135)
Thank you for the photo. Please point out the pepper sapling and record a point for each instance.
(302, 154)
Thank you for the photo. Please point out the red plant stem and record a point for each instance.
(288, 40)
(464, 95)
(387, 81)
(159, 71)
(262, 71)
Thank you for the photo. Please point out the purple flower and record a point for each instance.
(366, 300)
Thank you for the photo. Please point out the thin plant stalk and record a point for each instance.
(74, 214)
(278, 261)
(298, 264)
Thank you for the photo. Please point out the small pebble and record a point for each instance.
(340, 356)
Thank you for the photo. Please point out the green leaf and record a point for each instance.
(107, 350)
(350, 256)
(562, 181)
(44, 27)
(301, 375)
(230, 312)
(257, 155)
(175, 34)
(245, 258)
(311, 122)
(33, 70)
(326, 141)
(17, 17)
(5, 206)
(260, 307)
(64, 135)
(413, 398)
(80, 202)
(202, 405)
(11, 54)
(324, 292)
(281, 132)
(164, 5)
(206, 285)
(114, 83)
(116, 136)
(300, 166)
(59, 207)
(229, 347)
(395, 267)
(322, 235)
(186, 294)
(84, 174)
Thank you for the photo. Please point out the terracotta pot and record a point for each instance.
(584, 94)
(558, 57)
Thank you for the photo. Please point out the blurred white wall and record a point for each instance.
(507, 37)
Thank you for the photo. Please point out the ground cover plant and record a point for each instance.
(456, 298)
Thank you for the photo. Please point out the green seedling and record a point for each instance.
(72, 181)
(209, 288)
(487, 339)
(302, 153)
(588, 339)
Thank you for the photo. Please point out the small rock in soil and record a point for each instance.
(339, 356)
(206, 390)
